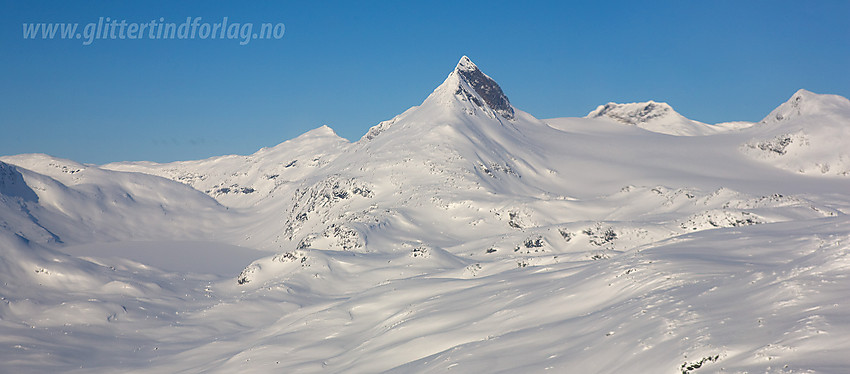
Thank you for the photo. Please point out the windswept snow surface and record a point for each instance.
(463, 234)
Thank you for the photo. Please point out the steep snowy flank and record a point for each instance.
(661, 118)
(807, 134)
(71, 203)
(12, 183)
(16, 219)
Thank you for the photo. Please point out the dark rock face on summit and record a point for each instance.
(486, 88)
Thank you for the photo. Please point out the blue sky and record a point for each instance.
(350, 65)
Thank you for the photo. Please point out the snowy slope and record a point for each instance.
(463, 234)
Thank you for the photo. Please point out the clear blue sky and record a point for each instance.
(350, 65)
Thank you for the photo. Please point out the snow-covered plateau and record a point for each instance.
(463, 235)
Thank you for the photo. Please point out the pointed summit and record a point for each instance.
(467, 91)
(485, 87)
(466, 64)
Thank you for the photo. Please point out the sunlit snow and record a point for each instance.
(456, 236)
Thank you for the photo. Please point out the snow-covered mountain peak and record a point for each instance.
(467, 97)
(468, 86)
(804, 103)
(806, 134)
(635, 113)
(321, 131)
(323, 135)
(465, 64)
(486, 88)
(659, 117)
